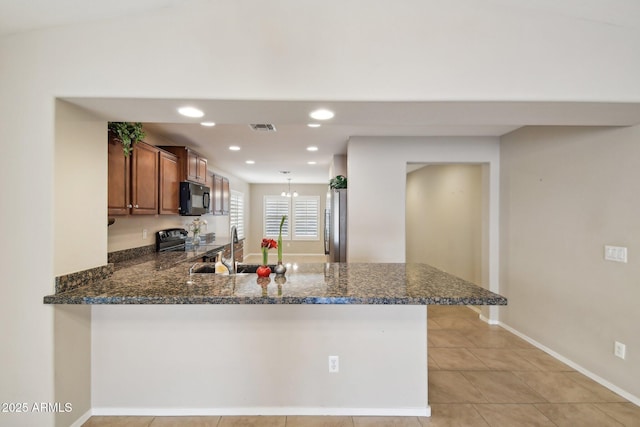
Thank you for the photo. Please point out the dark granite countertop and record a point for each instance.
(165, 279)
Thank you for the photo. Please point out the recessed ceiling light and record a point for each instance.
(321, 114)
(190, 112)
(250, 162)
(234, 148)
(312, 148)
(208, 124)
(314, 125)
(311, 163)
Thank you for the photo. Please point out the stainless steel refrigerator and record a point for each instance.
(335, 226)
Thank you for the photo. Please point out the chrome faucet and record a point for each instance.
(231, 263)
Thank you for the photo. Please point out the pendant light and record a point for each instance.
(289, 193)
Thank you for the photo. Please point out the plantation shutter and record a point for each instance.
(306, 217)
(274, 208)
(236, 212)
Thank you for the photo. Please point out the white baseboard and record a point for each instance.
(273, 411)
(630, 397)
(83, 419)
(483, 318)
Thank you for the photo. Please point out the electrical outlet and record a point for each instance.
(334, 364)
(144, 233)
(620, 350)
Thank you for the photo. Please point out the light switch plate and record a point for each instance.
(615, 253)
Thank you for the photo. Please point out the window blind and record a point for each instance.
(306, 215)
(236, 212)
(274, 208)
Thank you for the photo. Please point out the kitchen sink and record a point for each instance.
(210, 268)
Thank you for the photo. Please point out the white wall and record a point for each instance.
(228, 50)
(259, 359)
(444, 219)
(567, 192)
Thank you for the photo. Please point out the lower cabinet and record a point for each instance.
(239, 251)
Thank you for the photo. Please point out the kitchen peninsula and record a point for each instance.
(205, 344)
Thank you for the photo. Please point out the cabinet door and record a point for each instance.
(169, 184)
(225, 196)
(118, 180)
(217, 195)
(144, 179)
(192, 166)
(202, 170)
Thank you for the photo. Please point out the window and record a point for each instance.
(303, 217)
(236, 212)
(306, 217)
(274, 208)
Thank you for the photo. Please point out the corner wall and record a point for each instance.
(377, 190)
(565, 193)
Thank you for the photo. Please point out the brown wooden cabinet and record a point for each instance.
(169, 191)
(133, 180)
(144, 179)
(119, 177)
(238, 249)
(193, 167)
(220, 195)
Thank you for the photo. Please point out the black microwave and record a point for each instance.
(195, 199)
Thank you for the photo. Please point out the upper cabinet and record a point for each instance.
(133, 181)
(192, 166)
(219, 195)
(144, 179)
(145, 183)
(169, 191)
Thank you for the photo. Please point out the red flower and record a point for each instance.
(269, 244)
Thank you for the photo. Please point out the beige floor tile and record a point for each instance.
(432, 325)
(185, 422)
(452, 387)
(502, 387)
(576, 414)
(542, 360)
(495, 338)
(556, 387)
(626, 413)
(118, 422)
(300, 421)
(386, 422)
(513, 415)
(603, 394)
(502, 359)
(452, 311)
(455, 323)
(252, 421)
(453, 415)
(432, 363)
(456, 359)
(444, 338)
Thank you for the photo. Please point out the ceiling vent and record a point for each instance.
(263, 127)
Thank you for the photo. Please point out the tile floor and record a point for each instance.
(479, 375)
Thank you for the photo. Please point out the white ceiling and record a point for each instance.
(285, 149)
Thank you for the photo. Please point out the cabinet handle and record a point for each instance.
(129, 205)
(136, 206)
